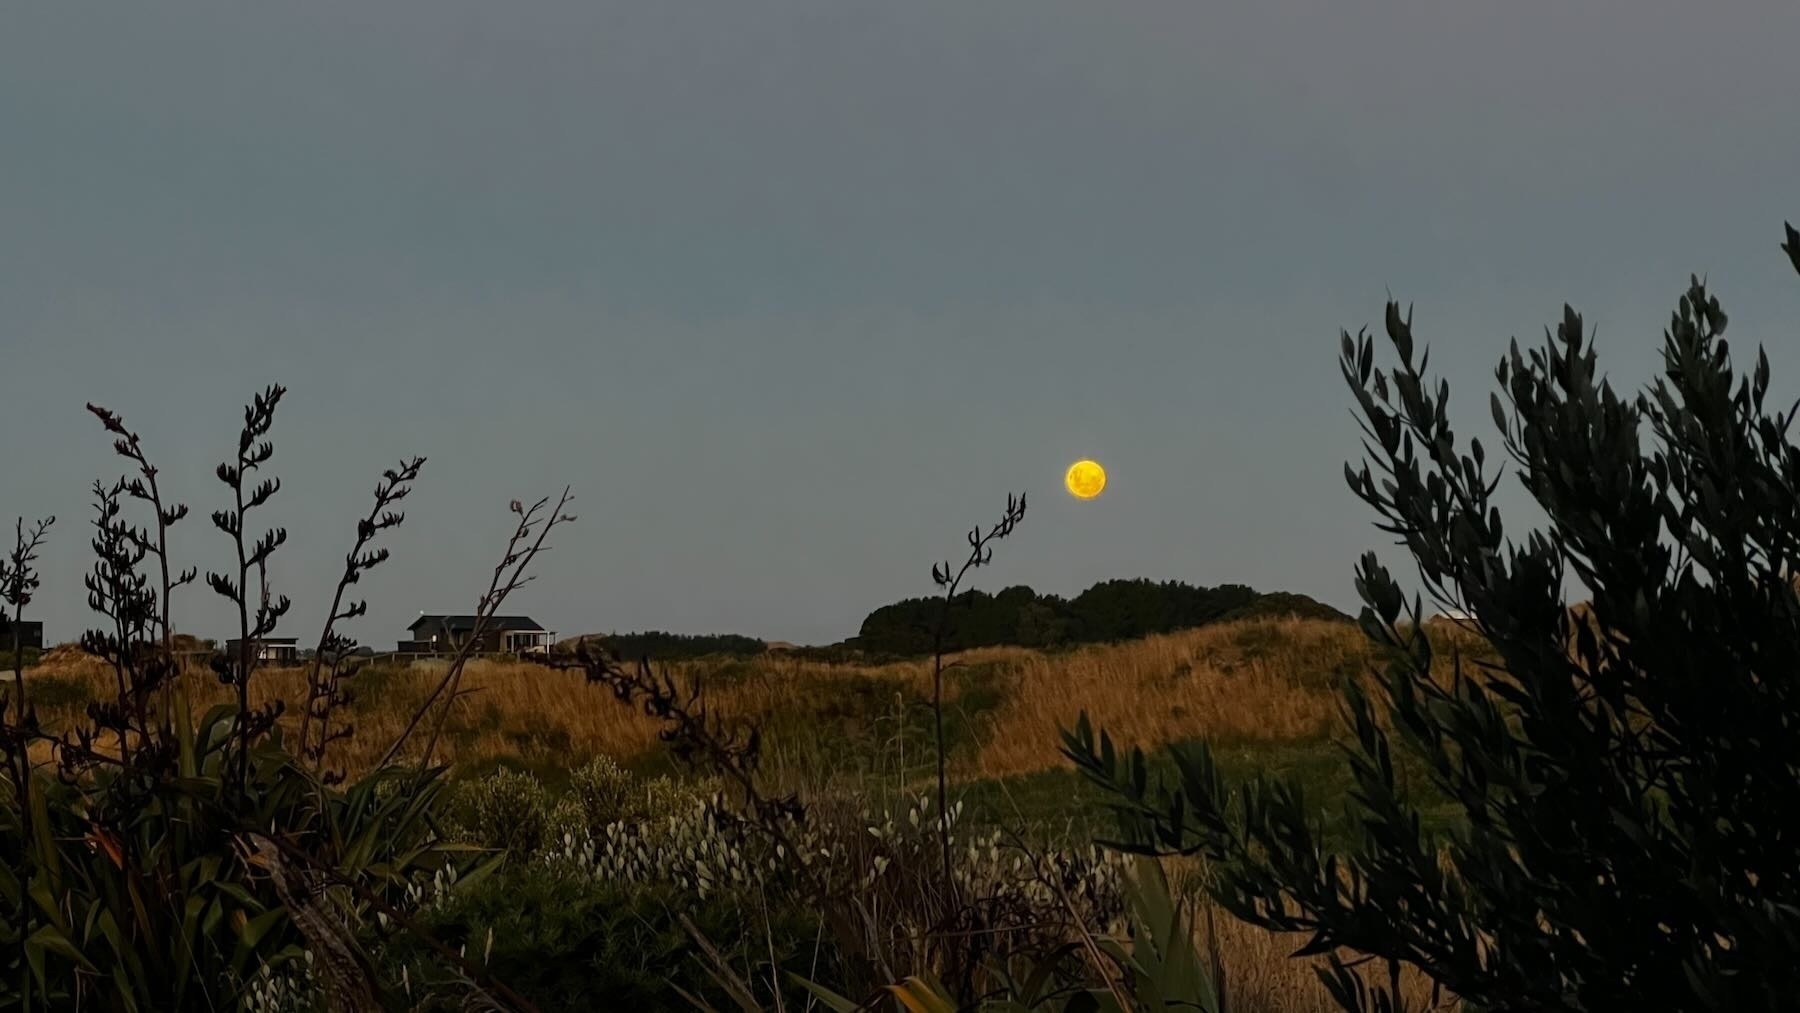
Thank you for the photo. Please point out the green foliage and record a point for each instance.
(602, 791)
(164, 909)
(55, 692)
(570, 943)
(863, 729)
(1040, 624)
(508, 810)
(1285, 604)
(1154, 968)
(1160, 964)
(513, 811)
(1628, 781)
(1062, 804)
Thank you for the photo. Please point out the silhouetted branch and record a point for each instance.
(324, 692)
(145, 488)
(253, 452)
(527, 541)
(981, 553)
(19, 581)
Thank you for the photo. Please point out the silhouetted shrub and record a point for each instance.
(579, 944)
(1283, 605)
(1108, 611)
(1628, 774)
(659, 646)
(507, 810)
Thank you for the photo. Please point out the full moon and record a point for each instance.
(1085, 479)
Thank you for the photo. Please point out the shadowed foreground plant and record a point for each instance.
(19, 580)
(258, 612)
(929, 916)
(145, 488)
(1152, 967)
(178, 863)
(1629, 772)
(981, 552)
(126, 729)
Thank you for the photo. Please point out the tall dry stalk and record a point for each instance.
(533, 527)
(324, 685)
(258, 620)
(19, 581)
(146, 489)
(981, 553)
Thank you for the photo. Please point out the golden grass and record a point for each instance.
(1259, 680)
(506, 709)
(1263, 680)
(1262, 975)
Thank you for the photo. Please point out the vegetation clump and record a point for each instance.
(1626, 774)
(1109, 611)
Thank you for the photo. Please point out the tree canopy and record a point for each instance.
(1108, 611)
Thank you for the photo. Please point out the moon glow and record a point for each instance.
(1085, 479)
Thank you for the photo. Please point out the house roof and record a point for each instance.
(267, 640)
(462, 624)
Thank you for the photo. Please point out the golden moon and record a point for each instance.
(1085, 479)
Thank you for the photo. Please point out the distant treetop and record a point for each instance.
(1109, 611)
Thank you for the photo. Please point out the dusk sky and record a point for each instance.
(793, 294)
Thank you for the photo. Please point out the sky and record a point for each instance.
(793, 294)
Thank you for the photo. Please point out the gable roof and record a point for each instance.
(463, 624)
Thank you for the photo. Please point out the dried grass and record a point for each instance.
(1253, 681)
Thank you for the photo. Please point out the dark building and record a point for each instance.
(435, 634)
(269, 650)
(30, 635)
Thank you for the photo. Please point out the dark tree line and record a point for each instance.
(1018, 616)
(659, 646)
(1109, 611)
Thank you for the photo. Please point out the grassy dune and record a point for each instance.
(1262, 691)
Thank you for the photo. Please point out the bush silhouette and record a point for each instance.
(1627, 771)
(659, 646)
(1109, 611)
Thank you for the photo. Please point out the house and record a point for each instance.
(31, 635)
(269, 650)
(445, 634)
